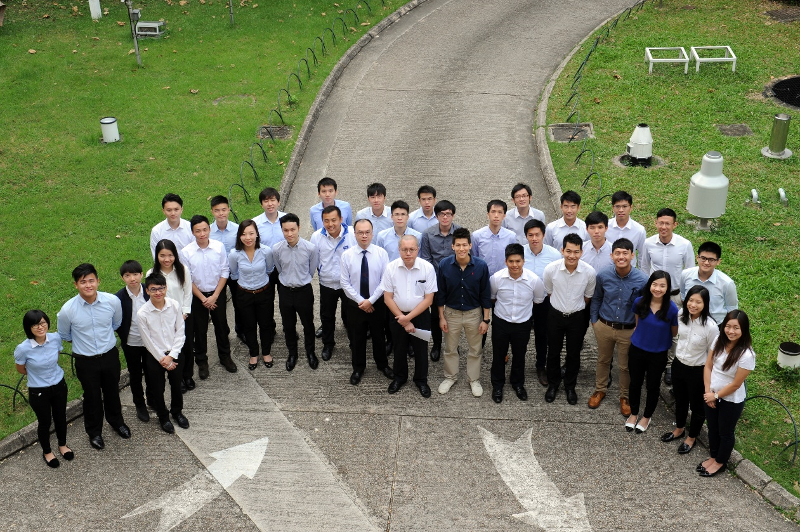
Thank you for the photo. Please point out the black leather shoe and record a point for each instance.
(522, 393)
(97, 442)
(497, 395)
(229, 364)
(550, 394)
(388, 373)
(389, 346)
(54, 463)
(327, 353)
(142, 414)
(436, 352)
(572, 397)
(202, 370)
(705, 473)
(312, 360)
(669, 436)
(395, 386)
(700, 467)
(190, 384)
(181, 420)
(318, 332)
(167, 427)
(291, 362)
(410, 351)
(184, 388)
(541, 373)
(683, 448)
(355, 378)
(123, 431)
(668, 377)
(424, 390)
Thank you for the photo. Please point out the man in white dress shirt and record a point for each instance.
(568, 223)
(173, 227)
(522, 212)
(721, 288)
(623, 226)
(224, 230)
(379, 214)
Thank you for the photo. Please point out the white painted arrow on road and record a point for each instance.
(546, 506)
(182, 502)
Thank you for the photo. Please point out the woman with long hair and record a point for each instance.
(729, 363)
(179, 287)
(656, 324)
(697, 331)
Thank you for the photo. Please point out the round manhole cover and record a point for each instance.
(786, 91)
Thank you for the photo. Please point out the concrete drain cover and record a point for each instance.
(787, 14)
(734, 130)
(278, 132)
(567, 132)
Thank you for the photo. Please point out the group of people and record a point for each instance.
(409, 280)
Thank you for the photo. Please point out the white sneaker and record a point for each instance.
(445, 386)
(477, 389)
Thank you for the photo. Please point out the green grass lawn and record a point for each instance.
(70, 199)
(760, 246)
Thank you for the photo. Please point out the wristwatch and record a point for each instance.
(716, 396)
(487, 322)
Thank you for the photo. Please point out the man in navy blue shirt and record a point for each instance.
(464, 300)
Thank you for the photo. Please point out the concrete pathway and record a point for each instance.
(445, 96)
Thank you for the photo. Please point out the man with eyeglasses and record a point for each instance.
(522, 212)
(720, 287)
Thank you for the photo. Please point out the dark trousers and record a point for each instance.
(645, 365)
(294, 302)
(359, 322)
(219, 318)
(50, 405)
(157, 381)
(573, 328)
(436, 331)
(721, 429)
(687, 384)
(328, 300)
(135, 356)
(99, 376)
(257, 317)
(186, 356)
(401, 341)
(505, 334)
(540, 313)
(233, 286)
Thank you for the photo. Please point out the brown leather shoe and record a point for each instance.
(596, 399)
(624, 406)
(542, 374)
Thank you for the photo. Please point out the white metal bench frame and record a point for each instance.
(730, 57)
(142, 26)
(682, 57)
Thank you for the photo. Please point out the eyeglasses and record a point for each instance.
(522, 196)
(41, 324)
(157, 289)
(363, 233)
(408, 250)
(709, 260)
(445, 214)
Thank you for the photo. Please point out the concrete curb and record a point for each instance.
(747, 471)
(324, 92)
(26, 436)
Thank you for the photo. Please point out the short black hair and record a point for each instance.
(622, 243)
(289, 218)
(426, 189)
(666, 211)
(268, 193)
(327, 182)
(400, 204)
(572, 238)
(462, 232)
(443, 205)
(362, 220)
(130, 266)
(376, 189)
(82, 270)
(155, 278)
(596, 217)
(219, 200)
(331, 208)
(198, 219)
(239, 232)
(171, 197)
(497, 203)
(31, 318)
(711, 247)
(621, 195)
(521, 186)
(531, 224)
(571, 196)
(515, 249)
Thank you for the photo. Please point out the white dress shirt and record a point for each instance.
(329, 251)
(695, 340)
(269, 232)
(721, 289)
(296, 265)
(162, 330)
(181, 237)
(350, 278)
(516, 222)
(409, 286)
(180, 293)
(492, 247)
(721, 378)
(557, 230)
(673, 257)
(137, 302)
(419, 222)
(512, 297)
(379, 223)
(389, 240)
(633, 231)
(207, 265)
(597, 258)
(568, 290)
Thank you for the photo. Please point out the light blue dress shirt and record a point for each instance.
(316, 214)
(721, 290)
(492, 247)
(296, 265)
(419, 222)
(252, 274)
(90, 326)
(536, 263)
(227, 237)
(269, 232)
(379, 223)
(390, 242)
(516, 223)
(597, 259)
(40, 361)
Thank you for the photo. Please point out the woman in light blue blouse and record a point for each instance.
(256, 308)
(37, 357)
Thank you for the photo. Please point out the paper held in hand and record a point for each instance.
(422, 334)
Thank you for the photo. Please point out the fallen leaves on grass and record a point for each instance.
(34, 283)
(194, 91)
(118, 236)
(45, 16)
(120, 23)
(166, 88)
(95, 38)
(131, 51)
(31, 51)
(597, 100)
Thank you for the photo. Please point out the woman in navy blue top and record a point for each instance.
(656, 324)
(37, 357)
